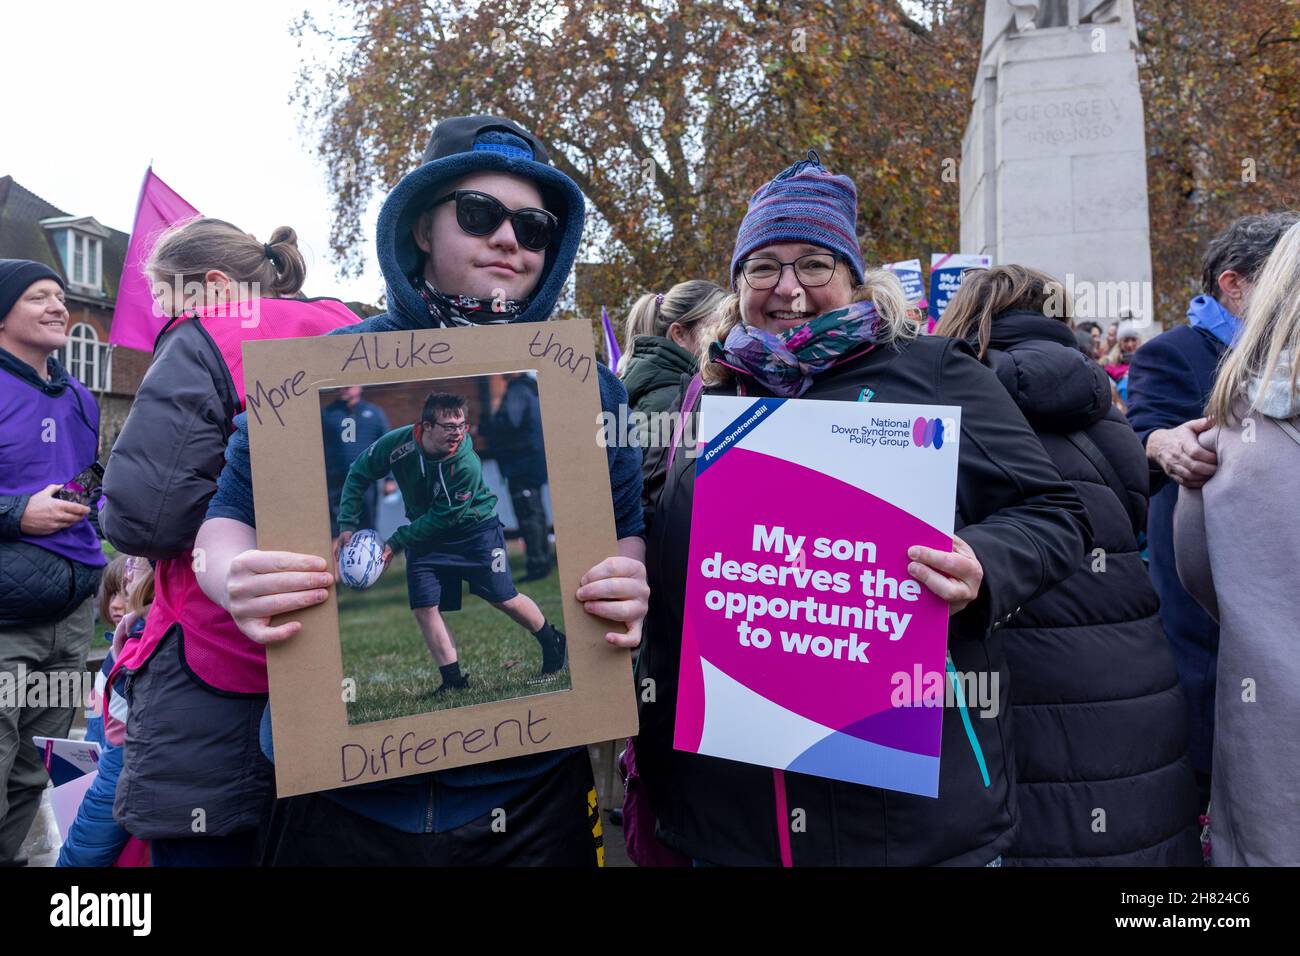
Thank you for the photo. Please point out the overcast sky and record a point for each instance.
(94, 91)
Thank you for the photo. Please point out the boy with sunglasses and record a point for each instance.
(442, 267)
(454, 532)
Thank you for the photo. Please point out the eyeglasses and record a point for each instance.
(764, 272)
(454, 427)
(480, 214)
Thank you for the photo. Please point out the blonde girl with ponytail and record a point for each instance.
(205, 262)
(664, 331)
(199, 686)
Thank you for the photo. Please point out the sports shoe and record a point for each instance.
(555, 649)
(444, 688)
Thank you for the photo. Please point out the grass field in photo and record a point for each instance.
(394, 672)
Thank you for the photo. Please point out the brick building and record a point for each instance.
(89, 256)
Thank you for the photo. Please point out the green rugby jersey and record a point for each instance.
(442, 496)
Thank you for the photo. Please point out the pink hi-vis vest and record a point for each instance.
(214, 650)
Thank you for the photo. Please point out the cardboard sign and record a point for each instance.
(288, 383)
(946, 270)
(805, 642)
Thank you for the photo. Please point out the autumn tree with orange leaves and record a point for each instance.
(668, 115)
(1221, 89)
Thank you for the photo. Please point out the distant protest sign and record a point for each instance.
(804, 637)
(909, 274)
(946, 270)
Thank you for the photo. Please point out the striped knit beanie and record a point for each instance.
(804, 203)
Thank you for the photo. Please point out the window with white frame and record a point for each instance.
(87, 359)
(85, 259)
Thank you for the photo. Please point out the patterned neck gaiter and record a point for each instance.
(453, 310)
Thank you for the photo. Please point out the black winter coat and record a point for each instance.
(654, 378)
(515, 432)
(1103, 775)
(654, 371)
(187, 744)
(164, 465)
(1029, 530)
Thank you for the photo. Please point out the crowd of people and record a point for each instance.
(1120, 563)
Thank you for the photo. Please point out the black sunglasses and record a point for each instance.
(480, 214)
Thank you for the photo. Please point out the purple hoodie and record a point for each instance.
(49, 433)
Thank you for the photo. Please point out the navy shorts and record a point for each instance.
(435, 571)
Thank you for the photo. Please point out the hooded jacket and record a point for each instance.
(49, 433)
(441, 801)
(1029, 530)
(654, 373)
(1097, 711)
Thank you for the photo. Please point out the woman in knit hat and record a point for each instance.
(805, 319)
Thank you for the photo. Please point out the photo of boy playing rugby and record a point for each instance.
(454, 533)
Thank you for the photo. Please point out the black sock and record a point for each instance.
(545, 632)
(451, 673)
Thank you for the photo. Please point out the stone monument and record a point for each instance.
(1053, 165)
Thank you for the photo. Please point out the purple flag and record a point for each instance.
(136, 320)
(612, 352)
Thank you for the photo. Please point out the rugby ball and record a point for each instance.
(361, 561)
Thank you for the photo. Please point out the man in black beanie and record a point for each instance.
(50, 557)
(16, 275)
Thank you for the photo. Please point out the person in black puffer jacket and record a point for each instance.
(1098, 716)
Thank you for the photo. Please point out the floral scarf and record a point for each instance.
(787, 363)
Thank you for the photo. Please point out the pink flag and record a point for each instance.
(136, 321)
(612, 352)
